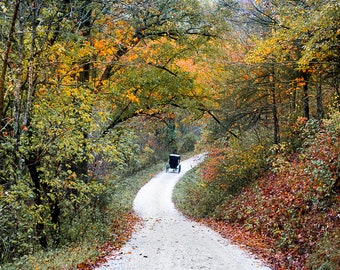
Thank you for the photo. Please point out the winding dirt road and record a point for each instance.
(169, 241)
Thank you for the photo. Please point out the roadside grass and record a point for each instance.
(63, 258)
(184, 191)
(81, 255)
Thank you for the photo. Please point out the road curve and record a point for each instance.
(169, 241)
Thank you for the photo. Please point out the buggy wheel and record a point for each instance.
(179, 168)
(167, 168)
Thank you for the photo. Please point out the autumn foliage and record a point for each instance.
(289, 215)
(94, 91)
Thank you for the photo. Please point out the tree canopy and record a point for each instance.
(93, 90)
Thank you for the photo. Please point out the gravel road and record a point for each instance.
(169, 241)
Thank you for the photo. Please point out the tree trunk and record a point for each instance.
(5, 60)
(336, 85)
(319, 100)
(17, 95)
(293, 102)
(275, 119)
(305, 95)
(31, 69)
(55, 218)
(274, 107)
(32, 164)
(85, 16)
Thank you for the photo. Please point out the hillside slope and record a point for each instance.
(289, 216)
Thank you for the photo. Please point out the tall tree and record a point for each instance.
(303, 41)
(7, 50)
(287, 59)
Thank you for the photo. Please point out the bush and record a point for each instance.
(296, 203)
(235, 167)
(294, 207)
(223, 175)
(327, 254)
(105, 220)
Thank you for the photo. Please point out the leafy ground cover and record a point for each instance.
(107, 237)
(289, 216)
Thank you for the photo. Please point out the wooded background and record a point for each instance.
(92, 91)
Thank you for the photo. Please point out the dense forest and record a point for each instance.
(94, 91)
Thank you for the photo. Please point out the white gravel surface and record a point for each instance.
(169, 241)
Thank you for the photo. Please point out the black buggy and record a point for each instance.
(174, 163)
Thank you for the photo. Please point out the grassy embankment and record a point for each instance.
(285, 207)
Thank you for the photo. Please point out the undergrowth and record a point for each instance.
(110, 229)
(291, 210)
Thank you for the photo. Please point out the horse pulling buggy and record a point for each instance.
(174, 163)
